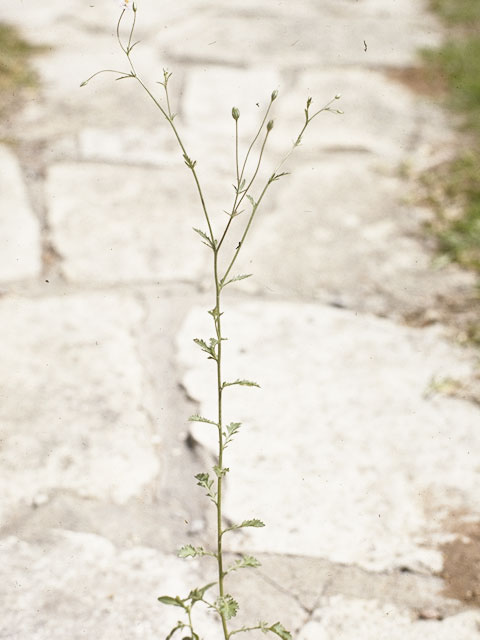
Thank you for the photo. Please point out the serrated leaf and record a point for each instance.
(197, 418)
(208, 348)
(232, 429)
(203, 478)
(254, 522)
(277, 176)
(189, 551)
(197, 594)
(176, 602)
(203, 235)
(243, 563)
(243, 383)
(227, 606)
(201, 343)
(280, 630)
(220, 473)
(236, 279)
(205, 482)
(189, 162)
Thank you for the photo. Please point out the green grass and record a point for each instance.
(457, 62)
(15, 71)
(457, 12)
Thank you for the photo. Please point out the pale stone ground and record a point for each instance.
(361, 470)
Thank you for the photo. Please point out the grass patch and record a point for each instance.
(16, 73)
(455, 188)
(457, 12)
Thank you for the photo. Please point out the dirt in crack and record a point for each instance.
(461, 564)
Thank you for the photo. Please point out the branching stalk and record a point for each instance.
(225, 605)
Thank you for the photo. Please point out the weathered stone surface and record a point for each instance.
(343, 619)
(380, 116)
(302, 34)
(130, 224)
(363, 249)
(80, 585)
(129, 145)
(73, 413)
(344, 453)
(20, 248)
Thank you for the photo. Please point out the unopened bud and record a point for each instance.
(274, 95)
(269, 125)
(309, 102)
(235, 113)
(338, 96)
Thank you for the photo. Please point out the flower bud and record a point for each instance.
(269, 125)
(274, 95)
(235, 113)
(338, 96)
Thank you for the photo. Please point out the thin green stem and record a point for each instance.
(190, 622)
(255, 139)
(240, 244)
(308, 120)
(165, 86)
(245, 629)
(218, 330)
(129, 45)
(237, 204)
(182, 147)
(119, 39)
(122, 74)
(169, 119)
(236, 153)
(236, 201)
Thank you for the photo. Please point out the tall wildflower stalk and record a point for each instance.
(212, 482)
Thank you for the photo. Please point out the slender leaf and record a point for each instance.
(280, 630)
(197, 594)
(197, 418)
(254, 522)
(203, 235)
(189, 162)
(175, 602)
(236, 279)
(243, 383)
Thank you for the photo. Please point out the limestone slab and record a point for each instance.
(302, 34)
(74, 412)
(73, 585)
(363, 249)
(380, 116)
(344, 619)
(345, 453)
(125, 223)
(20, 242)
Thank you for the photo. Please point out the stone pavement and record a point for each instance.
(365, 473)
